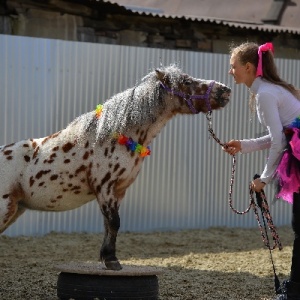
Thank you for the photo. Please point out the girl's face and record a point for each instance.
(241, 73)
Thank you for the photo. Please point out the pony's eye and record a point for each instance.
(187, 82)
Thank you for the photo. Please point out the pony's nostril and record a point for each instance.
(226, 89)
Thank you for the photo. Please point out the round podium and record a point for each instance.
(91, 280)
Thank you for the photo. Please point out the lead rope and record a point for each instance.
(261, 203)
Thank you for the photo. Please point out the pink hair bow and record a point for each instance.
(263, 48)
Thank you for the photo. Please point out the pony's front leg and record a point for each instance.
(110, 213)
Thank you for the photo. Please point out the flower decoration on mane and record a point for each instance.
(98, 110)
(124, 140)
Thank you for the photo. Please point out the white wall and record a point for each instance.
(184, 184)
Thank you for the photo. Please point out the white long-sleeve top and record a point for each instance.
(276, 108)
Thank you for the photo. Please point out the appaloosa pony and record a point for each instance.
(100, 153)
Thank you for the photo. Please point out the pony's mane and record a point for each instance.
(139, 105)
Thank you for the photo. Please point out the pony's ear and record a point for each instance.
(160, 75)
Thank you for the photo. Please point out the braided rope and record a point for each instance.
(261, 203)
(263, 206)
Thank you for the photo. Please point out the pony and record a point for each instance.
(100, 153)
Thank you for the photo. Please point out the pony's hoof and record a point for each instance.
(113, 265)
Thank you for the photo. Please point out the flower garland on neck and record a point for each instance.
(124, 140)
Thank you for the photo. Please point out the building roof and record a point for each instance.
(267, 15)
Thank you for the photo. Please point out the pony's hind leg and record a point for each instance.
(10, 210)
(111, 226)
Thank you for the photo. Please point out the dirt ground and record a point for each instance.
(216, 263)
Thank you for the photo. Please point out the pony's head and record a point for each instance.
(194, 95)
(159, 96)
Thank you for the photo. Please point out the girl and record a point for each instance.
(278, 109)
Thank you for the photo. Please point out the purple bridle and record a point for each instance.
(188, 98)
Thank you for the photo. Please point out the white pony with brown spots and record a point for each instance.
(99, 154)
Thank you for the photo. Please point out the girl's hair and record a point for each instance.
(248, 52)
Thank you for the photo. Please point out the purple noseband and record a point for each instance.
(188, 98)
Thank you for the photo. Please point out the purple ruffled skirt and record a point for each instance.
(288, 171)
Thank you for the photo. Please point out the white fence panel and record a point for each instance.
(184, 184)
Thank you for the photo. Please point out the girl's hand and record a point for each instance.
(232, 147)
(257, 185)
